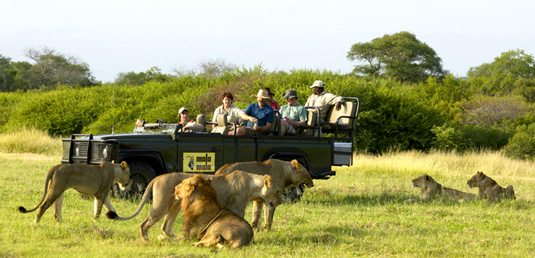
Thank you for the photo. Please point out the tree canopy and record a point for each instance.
(48, 70)
(401, 56)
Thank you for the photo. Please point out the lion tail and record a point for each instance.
(49, 176)
(148, 191)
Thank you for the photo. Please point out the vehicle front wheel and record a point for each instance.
(140, 176)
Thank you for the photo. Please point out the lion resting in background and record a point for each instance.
(285, 174)
(489, 189)
(206, 219)
(234, 191)
(431, 189)
(93, 180)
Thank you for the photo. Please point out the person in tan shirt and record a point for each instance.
(323, 100)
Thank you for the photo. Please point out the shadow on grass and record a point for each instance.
(385, 198)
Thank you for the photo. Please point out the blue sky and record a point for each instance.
(115, 36)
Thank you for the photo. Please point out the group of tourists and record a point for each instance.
(260, 115)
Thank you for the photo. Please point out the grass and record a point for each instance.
(360, 212)
(30, 141)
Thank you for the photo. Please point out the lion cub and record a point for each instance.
(94, 180)
(206, 219)
(489, 189)
(431, 189)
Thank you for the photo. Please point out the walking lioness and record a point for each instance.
(431, 189)
(285, 174)
(489, 189)
(234, 191)
(93, 180)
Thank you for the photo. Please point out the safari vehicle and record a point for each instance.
(153, 149)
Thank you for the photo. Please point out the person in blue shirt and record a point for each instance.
(259, 115)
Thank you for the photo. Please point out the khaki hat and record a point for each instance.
(317, 84)
(290, 94)
(182, 109)
(263, 94)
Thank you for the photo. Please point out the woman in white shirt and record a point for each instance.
(232, 112)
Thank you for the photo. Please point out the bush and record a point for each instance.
(522, 144)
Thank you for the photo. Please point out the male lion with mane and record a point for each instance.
(93, 180)
(285, 174)
(431, 189)
(207, 220)
(234, 191)
(489, 189)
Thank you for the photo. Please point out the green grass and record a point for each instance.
(359, 212)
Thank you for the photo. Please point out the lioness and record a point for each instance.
(285, 174)
(489, 189)
(94, 180)
(206, 219)
(234, 191)
(430, 189)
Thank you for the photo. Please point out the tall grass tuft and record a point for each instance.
(30, 141)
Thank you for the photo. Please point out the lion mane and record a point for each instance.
(206, 220)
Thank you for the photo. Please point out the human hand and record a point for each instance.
(338, 105)
(254, 120)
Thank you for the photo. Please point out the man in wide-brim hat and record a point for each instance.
(259, 115)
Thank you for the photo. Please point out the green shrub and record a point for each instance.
(522, 144)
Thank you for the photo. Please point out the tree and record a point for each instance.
(401, 56)
(7, 74)
(502, 76)
(132, 78)
(215, 68)
(51, 69)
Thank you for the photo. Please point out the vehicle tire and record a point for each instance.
(140, 176)
(292, 194)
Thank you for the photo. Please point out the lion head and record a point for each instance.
(423, 181)
(271, 193)
(476, 179)
(301, 174)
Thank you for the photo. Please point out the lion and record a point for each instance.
(285, 174)
(206, 219)
(234, 191)
(93, 180)
(489, 189)
(430, 189)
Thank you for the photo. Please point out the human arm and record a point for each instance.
(194, 126)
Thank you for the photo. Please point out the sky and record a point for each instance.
(119, 36)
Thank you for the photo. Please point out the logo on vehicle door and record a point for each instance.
(198, 162)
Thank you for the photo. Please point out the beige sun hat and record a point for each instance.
(182, 109)
(263, 94)
(317, 84)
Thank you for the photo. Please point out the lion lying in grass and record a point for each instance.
(207, 220)
(94, 180)
(234, 191)
(489, 189)
(431, 189)
(285, 174)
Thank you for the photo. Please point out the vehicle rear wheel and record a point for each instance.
(141, 174)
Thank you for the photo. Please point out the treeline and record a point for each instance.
(482, 111)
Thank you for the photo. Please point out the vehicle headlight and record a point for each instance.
(105, 153)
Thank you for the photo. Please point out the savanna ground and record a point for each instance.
(359, 212)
